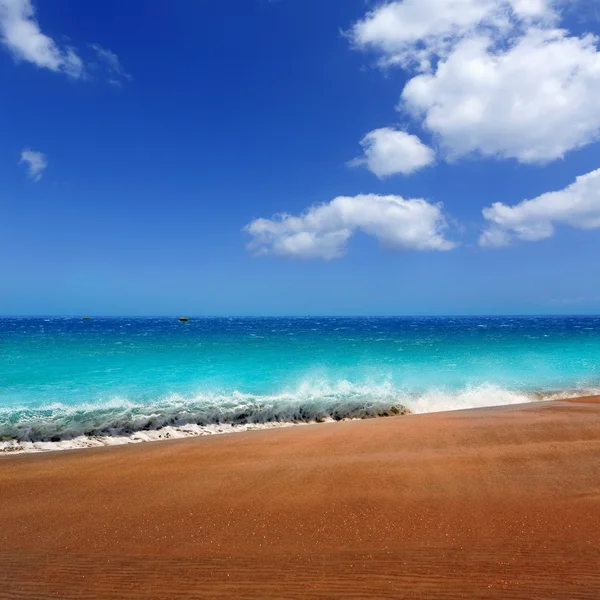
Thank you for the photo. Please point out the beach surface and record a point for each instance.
(486, 503)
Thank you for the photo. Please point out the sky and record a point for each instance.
(299, 157)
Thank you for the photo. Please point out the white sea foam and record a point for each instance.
(122, 421)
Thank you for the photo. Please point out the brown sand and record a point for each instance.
(493, 503)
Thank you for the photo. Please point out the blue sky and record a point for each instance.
(147, 151)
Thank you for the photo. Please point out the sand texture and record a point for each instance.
(489, 503)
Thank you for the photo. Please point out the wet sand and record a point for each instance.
(488, 503)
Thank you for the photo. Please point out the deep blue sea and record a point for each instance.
(67, 382)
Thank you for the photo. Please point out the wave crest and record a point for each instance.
(118, 421)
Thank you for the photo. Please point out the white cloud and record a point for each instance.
(577, 205)
(21, 34)
(413, 31)
(323, 230)
(390, 151)
(493, 78)
(534, 101)
(36, 163)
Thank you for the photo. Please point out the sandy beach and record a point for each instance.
(488, 503)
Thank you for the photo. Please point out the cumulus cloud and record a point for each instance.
(577, 205)
(494, 78)
(36, 163)
(21, 34)
(414, 31)
(323, 231)
(534, 101)
(389, 151)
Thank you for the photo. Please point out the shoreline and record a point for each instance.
(384, 508)
(113, 437)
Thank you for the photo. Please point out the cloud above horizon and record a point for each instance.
(21, 34)
(500, 79)
(493, 78)
(323, 230)
(36, 163)
(578, 205)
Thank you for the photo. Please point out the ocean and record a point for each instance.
(68, 383)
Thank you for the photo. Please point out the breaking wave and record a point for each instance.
(121, 421)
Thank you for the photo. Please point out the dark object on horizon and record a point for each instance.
(86, 318)
(184, 319)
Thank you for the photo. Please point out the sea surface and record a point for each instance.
(66, 382)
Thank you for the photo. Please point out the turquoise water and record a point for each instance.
(61, 378)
